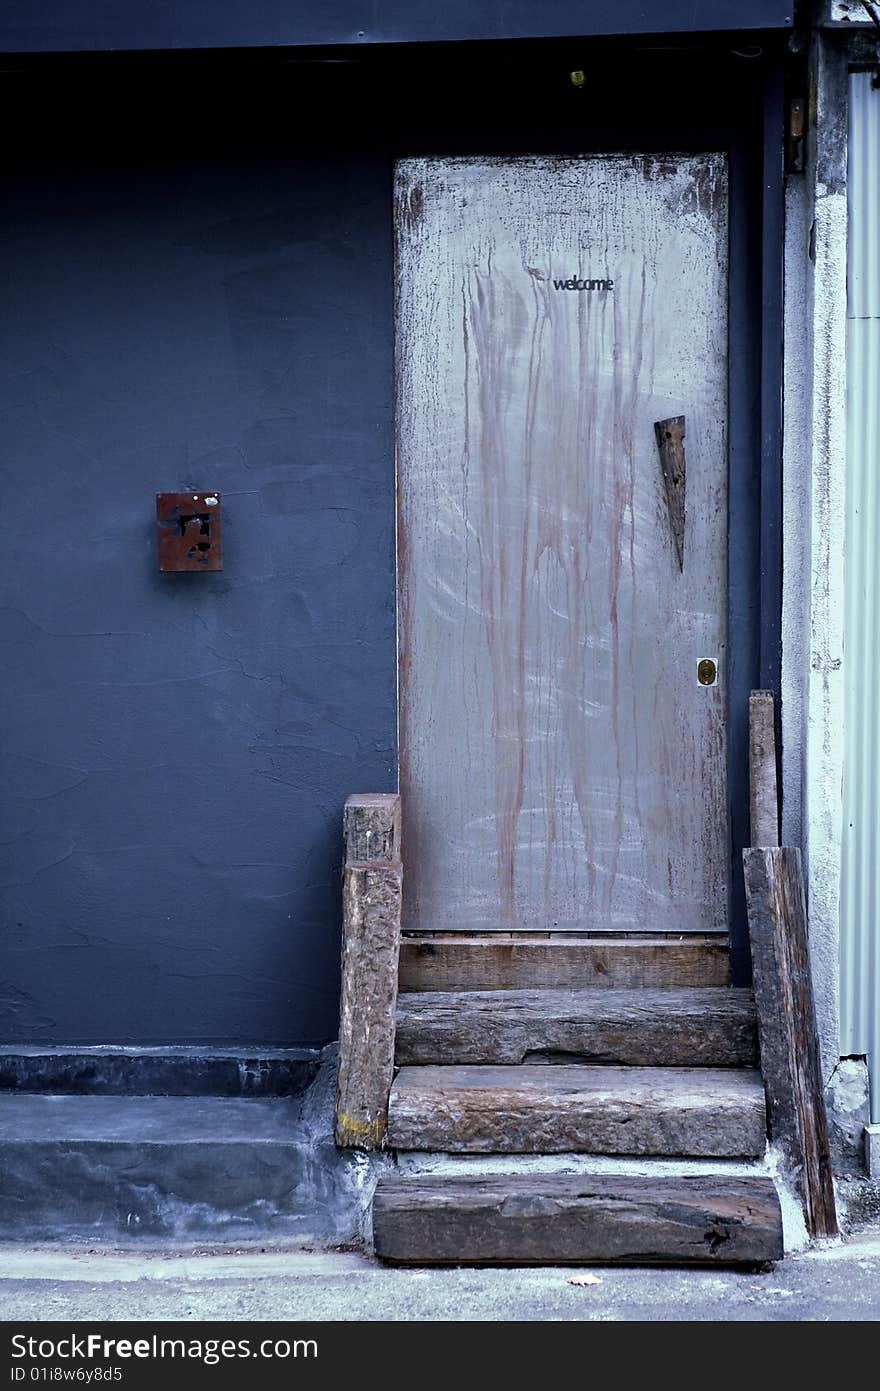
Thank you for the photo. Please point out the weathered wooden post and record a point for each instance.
(372, 894)
(763, 793)
(782, 982)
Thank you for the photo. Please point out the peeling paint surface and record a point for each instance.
(814, 674)
(177, 748)
(560, 765)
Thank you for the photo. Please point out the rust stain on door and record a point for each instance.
(560, 767)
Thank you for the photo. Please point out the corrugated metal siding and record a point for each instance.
(860, 896)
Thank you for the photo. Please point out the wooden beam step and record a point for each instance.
(547, 1109)
(565, 1219)
(673, 1028)
(487, 963)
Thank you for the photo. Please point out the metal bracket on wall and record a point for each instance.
(796, 136)
(189, 530)
(670, 442)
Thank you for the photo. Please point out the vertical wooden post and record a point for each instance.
(787, 1027)
(372, 895)
(777, 909)
(763, 793)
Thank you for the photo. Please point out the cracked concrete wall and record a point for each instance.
(178, 747)
(814, 460)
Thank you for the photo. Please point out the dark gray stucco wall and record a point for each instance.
(177, 748)
(83, 25)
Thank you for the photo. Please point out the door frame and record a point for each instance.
(754, 145)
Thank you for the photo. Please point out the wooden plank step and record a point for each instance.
(673, 1028)
(563, 1219)
(486, 963)
(547, 1109)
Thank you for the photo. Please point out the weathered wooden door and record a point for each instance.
(561, 764)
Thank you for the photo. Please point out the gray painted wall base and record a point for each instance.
(110, 1070)
(100, 1168)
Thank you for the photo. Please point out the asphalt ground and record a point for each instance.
(837, 1282)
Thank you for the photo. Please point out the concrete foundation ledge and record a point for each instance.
(115, 1070)
(872, 1151)
(182, 1168)
(858, 1203)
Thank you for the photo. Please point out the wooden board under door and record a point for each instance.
(561, 766)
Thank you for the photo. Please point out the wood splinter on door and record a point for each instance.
(670, 442)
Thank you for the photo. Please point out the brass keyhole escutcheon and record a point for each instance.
(707, 672)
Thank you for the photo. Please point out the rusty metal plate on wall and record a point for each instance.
(189, 530)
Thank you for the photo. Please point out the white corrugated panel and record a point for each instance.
(860, 888)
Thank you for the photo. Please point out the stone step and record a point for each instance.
(674, 1027)
(176, 1168)
(552, 1219)
(525, 961)
(550, 1109)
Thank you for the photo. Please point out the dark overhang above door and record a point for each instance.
(69, 26)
